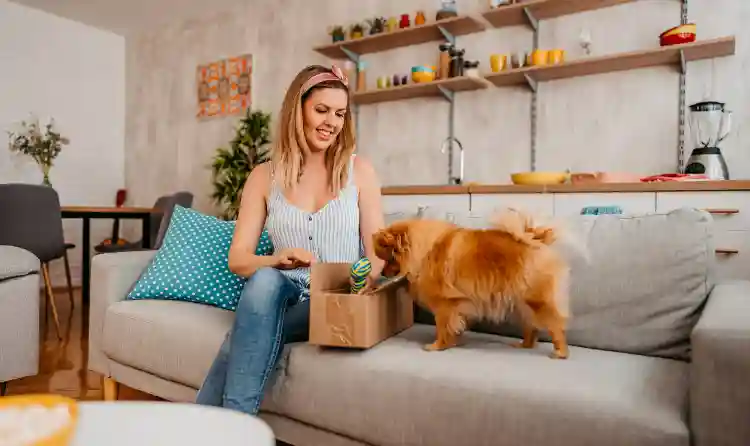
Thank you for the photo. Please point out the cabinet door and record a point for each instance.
(732, 255)
(731, 209)
(534, 204)
(567, 205)
(396, 207)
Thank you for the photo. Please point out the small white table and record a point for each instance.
(127, 423)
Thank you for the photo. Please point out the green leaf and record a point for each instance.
(230, 166)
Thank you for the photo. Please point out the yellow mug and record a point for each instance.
(556, 56)
(538, 57)
(498, 62)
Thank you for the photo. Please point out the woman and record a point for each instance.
(319, 203)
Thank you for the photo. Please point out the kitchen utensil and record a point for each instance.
(419, 19)
(555, 56)
(678, 34)
(604, 177)
(539, 178)
(405, 22)
(538, 57)
(709, 125)
(517, 60)
(498, 62)
(422, 73)
(447, 9)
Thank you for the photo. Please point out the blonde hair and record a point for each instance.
(287, 156)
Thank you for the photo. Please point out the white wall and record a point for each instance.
(623, 121)
(55, 67)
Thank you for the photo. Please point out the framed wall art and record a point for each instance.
(224, 87)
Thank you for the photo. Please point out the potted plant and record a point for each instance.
(337, 33)
(231, 166)
(42, 144)
(356, 31)
(377, 25)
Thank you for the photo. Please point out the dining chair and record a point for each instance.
(30, 218)
(164, 207)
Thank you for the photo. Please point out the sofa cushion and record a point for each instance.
(192, 264)
(484, 393)
(638, 287)
(16, 262)
(173, 340)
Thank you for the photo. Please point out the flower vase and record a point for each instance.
(45, 171)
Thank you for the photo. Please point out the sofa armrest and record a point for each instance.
(17, 262)
(719, 391)
(112, 277)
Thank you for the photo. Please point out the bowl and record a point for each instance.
(676, 39)
(422, 73)
(686, 28)
(678, 34)
(60, 435)
(539, 178)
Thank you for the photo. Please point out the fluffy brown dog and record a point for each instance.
(463, 274)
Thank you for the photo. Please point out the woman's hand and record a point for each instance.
(292, 258)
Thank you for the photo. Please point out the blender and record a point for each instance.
(709, 126)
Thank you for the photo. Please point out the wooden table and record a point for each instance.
(86, 213)
(126, 423)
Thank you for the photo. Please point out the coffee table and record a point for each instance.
(128, 423)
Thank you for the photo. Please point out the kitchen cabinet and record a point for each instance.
(570, 204)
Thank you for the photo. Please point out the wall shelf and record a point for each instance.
(439, 88)
(429, 32)
(529, 12)
(669, 55)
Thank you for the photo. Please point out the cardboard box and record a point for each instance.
(340, 319)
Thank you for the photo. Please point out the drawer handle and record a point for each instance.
(722, 211)
(727, 251)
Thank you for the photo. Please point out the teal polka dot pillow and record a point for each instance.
(192, 263)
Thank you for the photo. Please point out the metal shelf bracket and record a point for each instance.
(531, 81)
(448, 36)
(449, 95)
(354, 57)
(532, 20)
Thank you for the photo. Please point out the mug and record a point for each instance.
(556, 56)
(498, 62)
(538, 57)
(517, 60)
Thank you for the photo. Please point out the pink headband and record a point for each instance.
(335, 75)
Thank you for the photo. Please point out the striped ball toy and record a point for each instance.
(360, 269)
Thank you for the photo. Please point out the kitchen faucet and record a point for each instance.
(460, 178)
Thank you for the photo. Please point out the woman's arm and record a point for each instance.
(370, 209)
(249, 226)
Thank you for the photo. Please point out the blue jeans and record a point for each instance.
(268, 315)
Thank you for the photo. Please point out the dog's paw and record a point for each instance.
(437, 346)
(556, 354)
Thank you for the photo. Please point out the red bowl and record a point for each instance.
(676, 39)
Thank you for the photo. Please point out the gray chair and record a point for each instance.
(30, 218)
(165, 206)
(19, 314)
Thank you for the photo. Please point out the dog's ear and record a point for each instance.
(390, 240)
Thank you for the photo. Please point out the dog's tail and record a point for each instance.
(524, 229)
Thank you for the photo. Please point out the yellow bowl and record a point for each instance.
(64, 435)
(422, 76)
(539, 178)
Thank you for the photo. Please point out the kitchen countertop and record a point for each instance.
(669, 186)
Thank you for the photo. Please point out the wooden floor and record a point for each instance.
(63, 364)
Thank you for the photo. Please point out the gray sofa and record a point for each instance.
(660, 356)
(19, 314)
